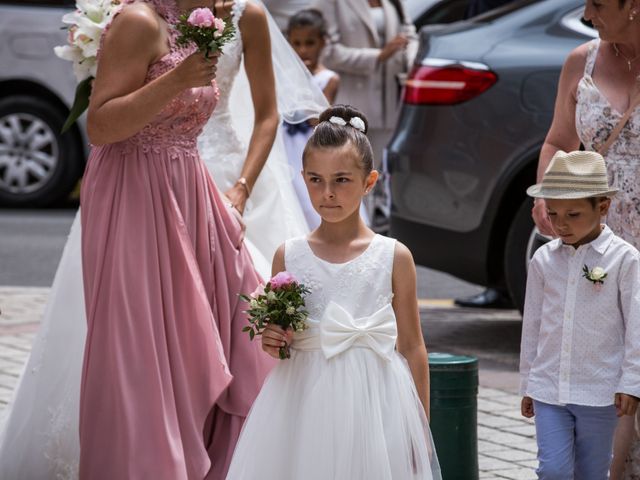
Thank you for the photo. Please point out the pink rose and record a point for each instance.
(219, 25)
(258, 291)
(201, 17)
(282, 279)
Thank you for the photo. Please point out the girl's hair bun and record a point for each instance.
(309, 17)
(338, 125)
(346, 112)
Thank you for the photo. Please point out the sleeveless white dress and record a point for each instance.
(344, 406)
(595, 119)
(39, 428)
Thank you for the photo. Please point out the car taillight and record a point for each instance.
(446, 85)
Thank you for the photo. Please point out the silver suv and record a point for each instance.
(39, 166)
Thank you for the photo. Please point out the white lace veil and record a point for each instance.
(298, 97)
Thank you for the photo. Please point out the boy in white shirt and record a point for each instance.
(580, 351)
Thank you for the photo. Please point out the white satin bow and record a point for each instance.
(339, 331)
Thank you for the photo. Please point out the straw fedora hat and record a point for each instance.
(574, 175)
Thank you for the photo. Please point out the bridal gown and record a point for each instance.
(39, 437)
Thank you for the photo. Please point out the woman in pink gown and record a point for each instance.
(168, 376)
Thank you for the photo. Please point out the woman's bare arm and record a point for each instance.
(121, 104)
(562, 134)
(259, 68)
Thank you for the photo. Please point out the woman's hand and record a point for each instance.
(196, 70)
(541, 219)
(238, 216)
(625, 404)
(274, 337)
(399, 42)
(238, 197)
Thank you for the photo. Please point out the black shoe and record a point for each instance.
(490, 298)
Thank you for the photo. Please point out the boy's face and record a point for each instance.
(577, 222)
(307, 43)
(336, 182)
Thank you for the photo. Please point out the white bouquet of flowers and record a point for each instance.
(85, 26)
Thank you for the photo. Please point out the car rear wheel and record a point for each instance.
(39, 166)
(517, 249)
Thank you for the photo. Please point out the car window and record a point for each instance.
(575, 21)
(499, 12)
(448, 11)
(42, 3)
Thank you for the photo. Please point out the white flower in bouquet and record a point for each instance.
(85, 25)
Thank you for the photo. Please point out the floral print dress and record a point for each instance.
(595, 119)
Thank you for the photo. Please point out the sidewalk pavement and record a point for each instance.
(506, 440)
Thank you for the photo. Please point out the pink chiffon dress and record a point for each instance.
(168, 375)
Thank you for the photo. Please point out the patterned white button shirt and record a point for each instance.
(581, 342)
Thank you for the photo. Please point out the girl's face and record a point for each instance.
(577, 221)
(308, 44)
(611, 21)
(336, 182)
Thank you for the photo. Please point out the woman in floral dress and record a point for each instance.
(598, 83)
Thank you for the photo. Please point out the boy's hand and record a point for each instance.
(625, 404)
(526, 407)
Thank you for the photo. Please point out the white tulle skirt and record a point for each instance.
(355, 416)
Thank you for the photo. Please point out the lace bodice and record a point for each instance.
(595, 119)
(230, 60)
(181, 121)
(220, 143)
(361, 286)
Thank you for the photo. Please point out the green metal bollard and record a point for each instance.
(454, 392)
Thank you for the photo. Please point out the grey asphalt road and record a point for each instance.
(31, 242)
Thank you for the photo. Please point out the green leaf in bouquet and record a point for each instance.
(252, 334)
(80, 103)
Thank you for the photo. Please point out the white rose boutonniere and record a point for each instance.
(596, 275)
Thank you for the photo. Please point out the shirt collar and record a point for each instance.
(600, 244)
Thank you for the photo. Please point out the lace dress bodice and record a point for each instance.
(219, 134)
(180, 122)
(230, 60)
(361, 286)
(595, 119)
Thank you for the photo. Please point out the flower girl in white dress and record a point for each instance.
(351, 401)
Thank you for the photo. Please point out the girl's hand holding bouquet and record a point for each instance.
(280, 303)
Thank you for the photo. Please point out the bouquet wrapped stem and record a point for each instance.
(279, 302)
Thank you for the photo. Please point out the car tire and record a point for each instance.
(39, 166)
(516, 251)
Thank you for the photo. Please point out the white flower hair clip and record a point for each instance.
(338, 121)
(357, 123)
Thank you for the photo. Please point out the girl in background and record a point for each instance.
(306, 33)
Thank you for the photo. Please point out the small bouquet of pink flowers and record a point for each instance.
(203, 28)
(279, 302)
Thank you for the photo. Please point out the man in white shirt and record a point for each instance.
(580, 351)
